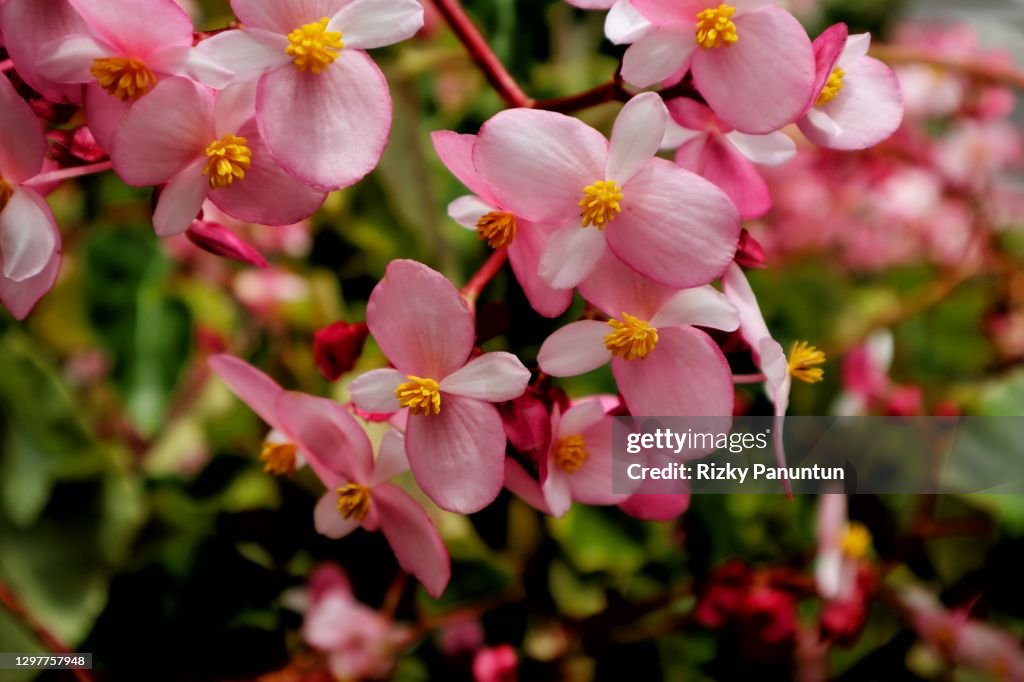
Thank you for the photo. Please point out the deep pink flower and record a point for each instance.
(339, 452)
(206, 146)
(455, 439)
(857, 98)
(29, 26)
(29, 238)
(661, 220)
(126, 48)
(220, 241)
(711, 148)
(337, 347)
(323, 105)
(663, 365)
(751, 60)
(482, 211)
(654, 506)
(496, 664)
(624, 24)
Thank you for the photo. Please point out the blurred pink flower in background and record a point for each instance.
(496, 664)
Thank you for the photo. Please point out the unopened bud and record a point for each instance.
(336, 348)
(220, 241)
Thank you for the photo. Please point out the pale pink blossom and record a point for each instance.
(30, 245)
(483, 212)
(751, 60)
(659, 219)
(455, 439)
(974, 152)
(866, 374)
(662, 363)
(624, 24)
(323, 105)
(841, 548)
(28, 27)
(265, 291)
(857, 99)
(206, 146)
(710, 148)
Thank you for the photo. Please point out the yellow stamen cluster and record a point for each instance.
(313, 46)
(856, 541)
(6, 192)
(229, 158)
(803, 363)
(631, 338)
(832, 87)
(715, 28)
(123, 77)
(354, 501)
(571, 454)
(498, 228)
(278, 458)
(421, 396)
(600, 203)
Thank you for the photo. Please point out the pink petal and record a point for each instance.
(420, 321)
(456, 153)
(656, 507)
(764, 81)
(828, 47)
(666, 12)
(658, 55)
(856, 47)
(252, 386)
(524, 255)
(29, 27)
(249, 53)
(592, 483)
(468, 210)
(136, 28)
(675, 227)
(752, 325)
(495, 377)
(773, 149)
(624, 24)
(68, 59)
(615, 288)
(180, 201)
(266, 195)
(592, 4)
(715, 159)
(104, 114)
(375, 391)
(457, 456)
(413, 538)
(571, 254)
(20, 297)
(165, 132)
(557, 491)
(233, 108)
(220, 241)
(524, 486)
(284, 16)
(27, 237)
(685, 376)
(538, 162)
(391, 458)
(327, 129)
(700, 307)
(693, 115)
(335, 445)
(580, 417)
(366, 24)
(328, 520)
(636, 137)
(189, 62)
(22, 144)
(576, 348)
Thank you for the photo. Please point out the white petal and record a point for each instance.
(773, 149)
(468, 210)
(574, 349)
(190, 62)
(375, 391)
(329, 521)
(580, 417)
(624, 24)
(27, 241)
(366, 24)
(857, 46)
(676, 135)
(391, 458)
(248, 53)
(823, 122)
(492, 376)
(180, 201)
(69, 59)
(636, 137)
(571, 255)
(703, 307)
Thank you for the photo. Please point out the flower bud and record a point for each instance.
(220, 241)
(527, 422)
(749, 253)
(337, 347)
(496, 664)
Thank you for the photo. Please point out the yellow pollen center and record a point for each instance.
(313, 46)
(632, 338)
(421, 396)
(571, 454)
(354, 501)
(229, 158)
(123, 77)
(832, 87)
(715, 28)
(6, 192)
(856, 541)
(278, 458)
(803, 363)
(498, 228)
(600, 203)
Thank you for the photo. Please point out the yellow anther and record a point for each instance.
(498, 228)
(600, 203)
(571, 454)
(123, 77)
(715, 27)
(278, 458)
(421, 396)
(856, 541)
(632, 338)
(832, 87)
(354, 501)
(313, 46)
(229, 158)
(803, 363)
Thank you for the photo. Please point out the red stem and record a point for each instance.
(485, 274)
(45, 637)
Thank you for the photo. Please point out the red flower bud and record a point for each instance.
(527, 422)
(336, 348)
(220, 241)
(749, 253)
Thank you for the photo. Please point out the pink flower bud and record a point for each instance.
(336, 348)
(497, 664)
(749, 253)
(220, 241)
(527, 422)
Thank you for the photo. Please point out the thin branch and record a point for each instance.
(487, 271)
(14, 606)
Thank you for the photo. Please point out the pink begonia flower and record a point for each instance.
(323, 105)
(974, 152)
(661, 220)
(339, 452)
(128, 46)
(483, 212)
(653, 506)
(662, 364)
(454, 437)
(28, 26)
(496, 664)
(865, 374)
(360, 643)
(29, 238)
(842, 546)
(624, 24)
(712, 149)
(751, 60)
(857, 98)
(206, 146)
